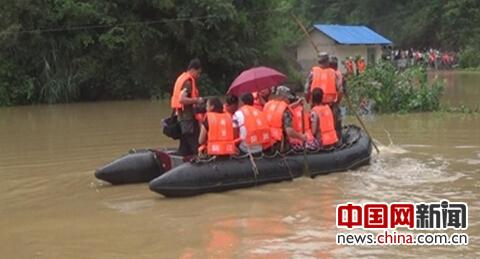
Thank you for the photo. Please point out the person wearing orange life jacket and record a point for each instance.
(252, 126)
(279, 119)
(322, 76)
(216, 132)
(260, 98)
(323, 123)
(432, 58)
(184, 99)
(349, 66)
(361, 65)
(231, 104)
(297, 107)
(333, 62)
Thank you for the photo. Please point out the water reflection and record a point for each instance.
(462, 88)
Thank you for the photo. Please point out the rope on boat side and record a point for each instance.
(278, 154)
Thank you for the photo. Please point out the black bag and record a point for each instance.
(171, 127)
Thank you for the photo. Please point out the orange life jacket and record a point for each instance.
(445, 58)
(328, 134)
(361, 66)
(297, 123)
(349, 67)
(256, 126)
(325, 78)
(273, 111)
(221, 140)
(177, 89)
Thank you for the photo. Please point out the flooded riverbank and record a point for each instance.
(461, 88)
(52, 206)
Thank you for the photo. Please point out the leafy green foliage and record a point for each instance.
(419, 24)
(470, 57)
(79, 50)
(95, 50)
(395, 91)
(409, 23)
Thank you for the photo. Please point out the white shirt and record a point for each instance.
(239, 123)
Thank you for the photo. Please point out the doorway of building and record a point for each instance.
(371, 56)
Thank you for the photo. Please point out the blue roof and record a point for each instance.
(352, 35)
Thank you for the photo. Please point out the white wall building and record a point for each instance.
(341, 41)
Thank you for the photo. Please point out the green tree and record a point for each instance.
(72, 50)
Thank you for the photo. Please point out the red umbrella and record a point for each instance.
(255, 79)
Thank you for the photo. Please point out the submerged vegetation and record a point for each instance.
(76, 50)
(390, 90)
(460, 109)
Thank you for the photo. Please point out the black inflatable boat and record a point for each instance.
(221, 174)
(139, 166)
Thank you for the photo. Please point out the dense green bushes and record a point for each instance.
(395, 91)
(79, 50)
(470, 57)
(74, 50)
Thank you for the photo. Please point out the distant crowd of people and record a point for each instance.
(431, 58)
(354, 66)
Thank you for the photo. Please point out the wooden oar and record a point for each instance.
(295, 18)
(350, 106)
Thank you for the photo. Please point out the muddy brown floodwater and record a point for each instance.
(53, 207)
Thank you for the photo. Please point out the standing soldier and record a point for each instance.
(324, 77)
(185, 96)
(333, 62)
